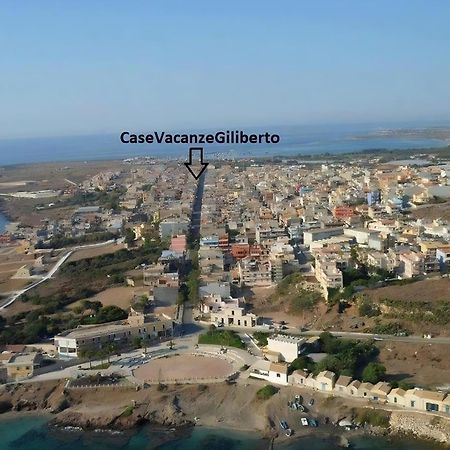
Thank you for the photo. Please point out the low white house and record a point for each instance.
(276, 373)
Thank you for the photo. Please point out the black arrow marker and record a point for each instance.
(202, 164)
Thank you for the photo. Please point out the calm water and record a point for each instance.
(32, 433)
(294, 140)
(3, 222)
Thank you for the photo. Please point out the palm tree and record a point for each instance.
(88, 353)
(111, 349)
(145, 342)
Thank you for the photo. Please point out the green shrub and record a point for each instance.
(261, 337)
(266, 392)
(127, 412)
(304, 300)
(226, 338)
(303, 363)
(373, 373)
(374, 417)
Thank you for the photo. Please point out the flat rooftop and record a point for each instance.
(287, 339)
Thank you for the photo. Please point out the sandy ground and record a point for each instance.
(96, 251)
(181, 367)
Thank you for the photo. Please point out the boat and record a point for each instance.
(289, 432)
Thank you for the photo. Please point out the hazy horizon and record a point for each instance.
(101, 67)
(294, 140)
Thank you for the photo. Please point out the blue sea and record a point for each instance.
(3, 222)
(32, 433)
(295, 140)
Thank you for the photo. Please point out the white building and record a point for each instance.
(276, 373)
(288, 347)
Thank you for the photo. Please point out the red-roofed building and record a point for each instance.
(178, 243)
(343, 212)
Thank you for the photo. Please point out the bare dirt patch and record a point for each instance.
(118, 296)
(431, 289)
(18, 307)
(427, 365)
(439, 211)
(182, 367)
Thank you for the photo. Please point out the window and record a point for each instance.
(413, 403)
(395, 399)
(431, 407)
(278, 375)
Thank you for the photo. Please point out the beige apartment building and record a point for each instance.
(228, 311)
(138, 325)
(253, 272)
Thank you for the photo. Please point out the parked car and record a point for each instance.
(304, 421)
(314, 423)
(311, 402)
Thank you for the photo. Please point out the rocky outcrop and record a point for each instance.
(420, 425)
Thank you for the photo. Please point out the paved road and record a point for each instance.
(55, 268)
(383, 337)
(121, 364)
(5, 303)
(352, 335)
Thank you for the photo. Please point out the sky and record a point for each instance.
(89, 67)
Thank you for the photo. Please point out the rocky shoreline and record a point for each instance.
(179, 408)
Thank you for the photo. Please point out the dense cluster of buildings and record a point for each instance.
(268, 221)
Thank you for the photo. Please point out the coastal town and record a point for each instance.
(323, 276)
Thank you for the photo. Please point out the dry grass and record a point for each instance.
(432, 212)
(96, 251)
(426, 365)
(117, 296)
(431, 289)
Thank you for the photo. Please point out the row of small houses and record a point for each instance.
(382, 392)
